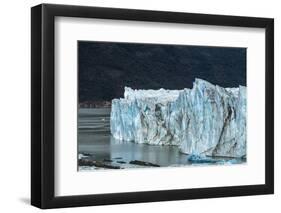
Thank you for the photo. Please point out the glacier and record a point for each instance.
(206, 120)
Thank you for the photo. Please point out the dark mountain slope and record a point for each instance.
(105, 68)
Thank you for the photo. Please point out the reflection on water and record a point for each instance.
(95, 141)
(106, 147)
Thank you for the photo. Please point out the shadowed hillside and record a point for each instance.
(105, 68)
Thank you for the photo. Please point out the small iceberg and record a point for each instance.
(194, 159)
(202, 159)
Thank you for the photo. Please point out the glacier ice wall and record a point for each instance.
(205, 120)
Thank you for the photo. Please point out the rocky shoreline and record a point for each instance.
(87, 161)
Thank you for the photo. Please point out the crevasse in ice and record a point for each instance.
(205, 120)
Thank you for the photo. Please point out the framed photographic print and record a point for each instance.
(139, 106)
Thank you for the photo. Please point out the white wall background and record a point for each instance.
(15, 105)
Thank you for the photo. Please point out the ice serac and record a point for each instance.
(205, 120)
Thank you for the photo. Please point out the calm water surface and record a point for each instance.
(95, 142)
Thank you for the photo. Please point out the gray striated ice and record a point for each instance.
(205, 120)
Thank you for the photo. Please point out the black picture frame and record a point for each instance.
(43, 102)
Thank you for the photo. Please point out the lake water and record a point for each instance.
(95, 143)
